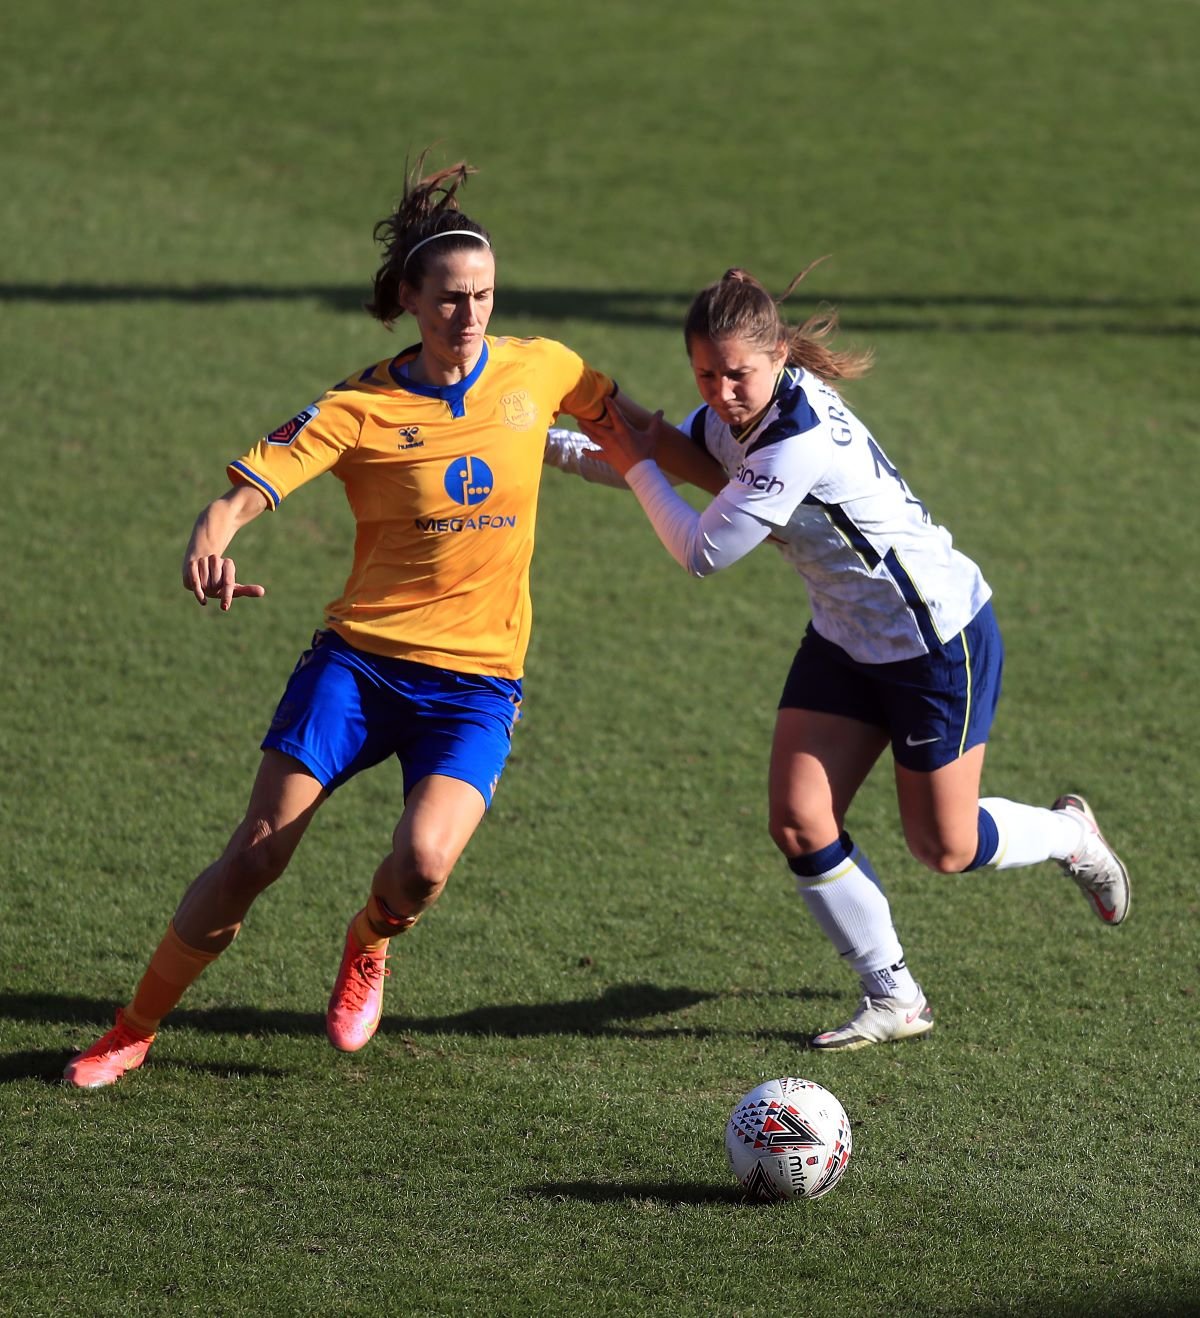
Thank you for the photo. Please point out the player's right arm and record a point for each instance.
(589, 404)
(672, 449)
(207, 573)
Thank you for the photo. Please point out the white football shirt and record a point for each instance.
(884, 580)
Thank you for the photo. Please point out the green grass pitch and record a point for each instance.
(1011, 202)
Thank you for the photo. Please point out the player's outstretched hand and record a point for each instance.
(212, 577)
(622, 443)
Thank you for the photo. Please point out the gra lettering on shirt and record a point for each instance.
(839, 426)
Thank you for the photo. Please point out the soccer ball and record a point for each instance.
(788, 1139)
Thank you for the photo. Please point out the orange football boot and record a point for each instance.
(107, 1060)
(356, 1003)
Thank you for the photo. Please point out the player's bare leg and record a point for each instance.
(943, 822)
(818, 763)
(940, 811)
(439, 818)
(282, 803)
(940, 814)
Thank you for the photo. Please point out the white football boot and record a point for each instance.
(879, 1020)
(1095, 867)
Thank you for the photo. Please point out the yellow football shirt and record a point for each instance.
(443, 483)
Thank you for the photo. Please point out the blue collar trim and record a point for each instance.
(453, 395)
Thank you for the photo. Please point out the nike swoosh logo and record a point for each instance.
(912, 1015)
(925, 741)
(1106, 913)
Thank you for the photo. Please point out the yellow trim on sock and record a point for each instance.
(820, 879)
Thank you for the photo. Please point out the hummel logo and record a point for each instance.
(924, 741)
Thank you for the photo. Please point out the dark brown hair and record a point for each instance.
(737, 306)
(428, 207)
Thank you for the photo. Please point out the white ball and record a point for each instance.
(788, 1139)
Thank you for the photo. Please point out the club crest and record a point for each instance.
(520, 411)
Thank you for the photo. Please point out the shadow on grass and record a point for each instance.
(671, 1194)
(1125, 1297)
(612, 1014)
(48, 1065)
(956, 312)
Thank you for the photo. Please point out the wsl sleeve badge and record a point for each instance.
(286, 434)
(788, 1139)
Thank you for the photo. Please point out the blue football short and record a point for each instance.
(934, 707)
(345, 710)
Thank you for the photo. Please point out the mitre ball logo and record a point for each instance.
(468, 480)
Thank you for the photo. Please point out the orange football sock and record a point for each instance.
(172, 969)
(377, 922)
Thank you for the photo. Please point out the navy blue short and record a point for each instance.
(345, 710)
(934, 707)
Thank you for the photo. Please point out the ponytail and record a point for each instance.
(428, 209)
(738, 306)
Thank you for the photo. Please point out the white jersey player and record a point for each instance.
(902, 648)
(884, 581)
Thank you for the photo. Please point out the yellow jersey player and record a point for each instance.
(440, 450)
(443, 482)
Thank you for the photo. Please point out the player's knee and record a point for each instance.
(419, 873)
(794, 835)
(941, 855)
(421, 888)
(257, 855)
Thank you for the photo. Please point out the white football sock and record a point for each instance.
(1031, 833)
(848, 903)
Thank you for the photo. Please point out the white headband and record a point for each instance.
(445, 233)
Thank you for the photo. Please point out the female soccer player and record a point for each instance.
(902, 648)
(440, 450)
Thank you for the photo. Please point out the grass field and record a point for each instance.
(1011, 201)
